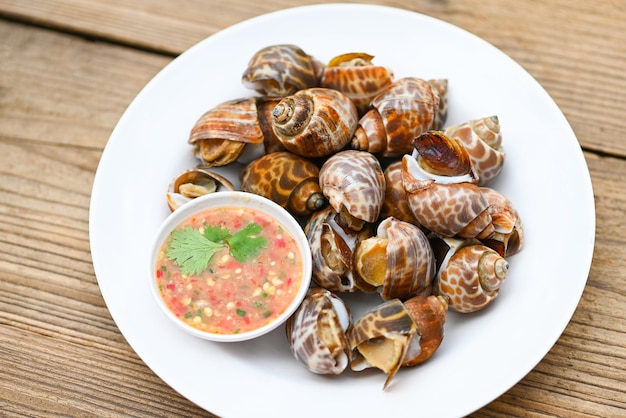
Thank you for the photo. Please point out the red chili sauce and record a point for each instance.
(230, 296)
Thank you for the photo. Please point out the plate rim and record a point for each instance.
(269, 16)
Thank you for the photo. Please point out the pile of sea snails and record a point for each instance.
(391, 200)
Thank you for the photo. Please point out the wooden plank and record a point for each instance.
(56, 328)
(568, 46)
(60, 98)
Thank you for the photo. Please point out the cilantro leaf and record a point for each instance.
(191, 250)
(246, 242)
(216, 233)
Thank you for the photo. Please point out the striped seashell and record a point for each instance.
(316, 332)
(281, 70)
(483, 141)
(405, 109)
(398, 334)
(315, 122)
(354, 184)
(398, 261)
(357, 77)
(470, 275)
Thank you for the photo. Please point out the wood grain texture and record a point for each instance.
(61, 95)
(574, 49)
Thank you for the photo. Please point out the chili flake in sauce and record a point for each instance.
(231, 296)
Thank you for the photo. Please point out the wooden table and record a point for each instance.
(69, 69)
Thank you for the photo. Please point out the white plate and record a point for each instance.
(482, 355)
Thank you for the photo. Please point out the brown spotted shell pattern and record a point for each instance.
(440, 85)
(317, 332)
(398, 261)
(448, 205)
(396, 334)
(357, 77)
(354, 184)
(405, 109)
(483, 141)
(395, 202)
(332, 251)
(281, 70)
(315, 122)
(470, 275)
(287, 179)
(508, 237)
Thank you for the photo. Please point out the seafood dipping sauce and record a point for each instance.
(250, 275)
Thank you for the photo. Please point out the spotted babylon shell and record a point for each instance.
(357, 77)
(315, 122)
(440, 85)
(354, 184)
(395, 202)
(483, 140)
(287, 179)
(316, 332)
(220, 134)
(195, 182)
(398, 261)
(332, 249)
(470, 275)
(508, 237)
(405, 109)
(281, 70)
(448, 209)
(396, 334)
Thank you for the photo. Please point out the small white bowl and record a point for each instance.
(230, 199)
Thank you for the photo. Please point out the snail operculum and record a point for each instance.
(483, 140)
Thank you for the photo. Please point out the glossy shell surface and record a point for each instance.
(315, 122)
(316, 332)
(281, 70)
(470, 276)
(508, 237)
(395, 202)
(483, 140)
(354, 184)
(405, 109)
(399, 260)
(221, 133)
(355, 75)
(287, 179)
(395, 334)
(332, 248)
(447, 209)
